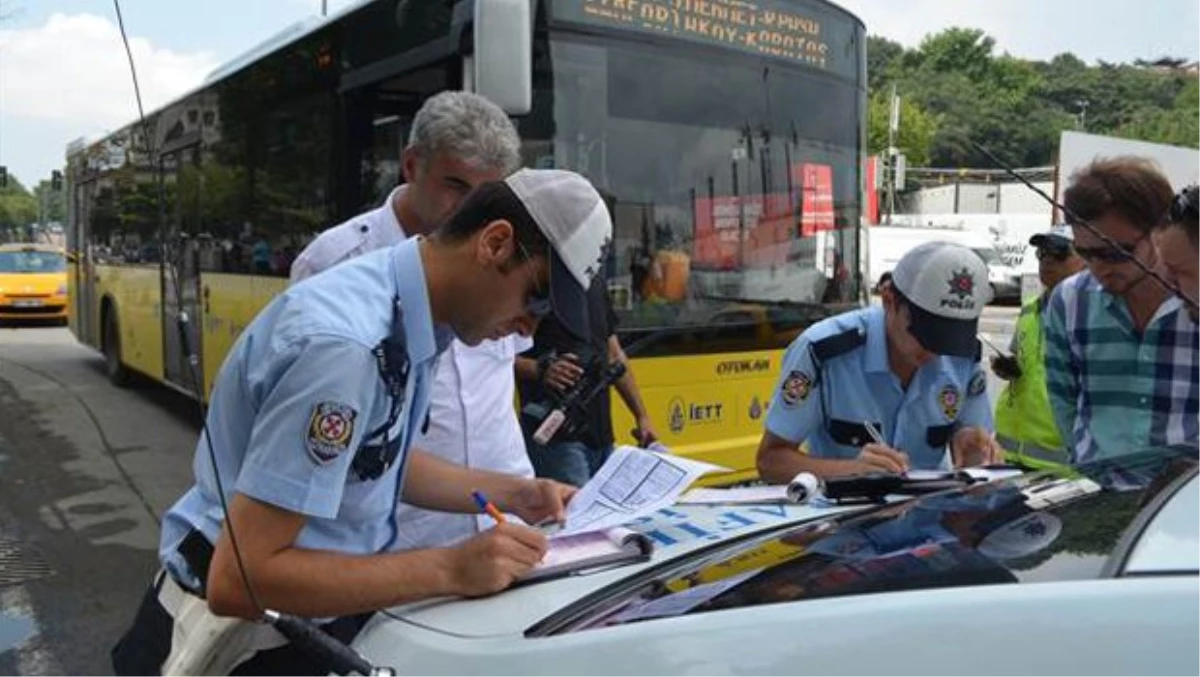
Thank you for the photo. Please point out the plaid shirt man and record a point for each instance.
(1114, 391)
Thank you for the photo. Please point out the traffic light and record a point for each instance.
(3, 176)
(56, 180)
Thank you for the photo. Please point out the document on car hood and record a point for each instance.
(633, 483)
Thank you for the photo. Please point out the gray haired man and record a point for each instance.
(458, 140)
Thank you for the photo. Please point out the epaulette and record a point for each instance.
(839, 344)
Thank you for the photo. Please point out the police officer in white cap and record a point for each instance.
(458, 140)
(312, 415)
(907, 371)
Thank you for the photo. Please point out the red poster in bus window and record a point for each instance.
(764, 223)
(871, 202)
(816, 192)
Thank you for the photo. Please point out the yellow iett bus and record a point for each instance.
(727, 135)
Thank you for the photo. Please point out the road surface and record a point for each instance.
(86, 470)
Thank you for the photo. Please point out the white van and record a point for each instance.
(887, 244)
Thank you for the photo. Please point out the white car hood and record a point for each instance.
(676, 531)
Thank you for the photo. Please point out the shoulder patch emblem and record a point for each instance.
(796, 388)
(949, 400)
(330, 429)
(977, 385)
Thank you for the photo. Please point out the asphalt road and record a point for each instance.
(86, 470)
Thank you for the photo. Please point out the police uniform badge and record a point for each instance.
(796, 388)
(330, 429)
(977, 385)
(949, 400)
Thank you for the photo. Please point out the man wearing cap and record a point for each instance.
(458, 140)
(1025, 424)
(312, 416)
(909, 369)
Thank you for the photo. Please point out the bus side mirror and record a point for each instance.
(502, 65)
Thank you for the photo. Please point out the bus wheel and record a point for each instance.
(117, 373)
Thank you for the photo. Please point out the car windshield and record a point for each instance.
(32, 261)
(1050, 526)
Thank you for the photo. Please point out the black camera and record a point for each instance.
(562, 414)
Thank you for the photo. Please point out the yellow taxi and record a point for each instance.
(33, 282)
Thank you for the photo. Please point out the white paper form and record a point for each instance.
(632, 483)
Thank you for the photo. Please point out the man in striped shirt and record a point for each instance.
(1121, 351)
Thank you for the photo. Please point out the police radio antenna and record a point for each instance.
(303, 633)
(1074, 219)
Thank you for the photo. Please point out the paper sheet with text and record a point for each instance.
(633, 483)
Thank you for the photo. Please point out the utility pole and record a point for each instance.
(1083, 106)
(893, 127)
(42, 209)
(324, 7)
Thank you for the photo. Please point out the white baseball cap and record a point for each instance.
(573, 217)
(946, 285)
(1060, 231)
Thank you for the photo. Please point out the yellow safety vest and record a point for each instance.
(1024, 421)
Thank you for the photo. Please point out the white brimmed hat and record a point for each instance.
(947, 287)
(573, 217)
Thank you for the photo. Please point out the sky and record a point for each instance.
(64, 74)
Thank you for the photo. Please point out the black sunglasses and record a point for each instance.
(538, 304)
(1105, 254)
(1055, 253)
(1184, 206)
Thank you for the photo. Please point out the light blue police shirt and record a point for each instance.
(827, 404)
(295, 398)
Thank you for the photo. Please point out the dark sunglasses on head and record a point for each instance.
(1184, 206)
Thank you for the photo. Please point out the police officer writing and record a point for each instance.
(909, 370)
(312, 415)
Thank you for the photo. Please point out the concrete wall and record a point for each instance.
(979, 198)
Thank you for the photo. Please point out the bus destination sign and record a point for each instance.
(768, 28)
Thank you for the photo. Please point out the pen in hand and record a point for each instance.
(874, 433)
(487, 506)
(894, 457)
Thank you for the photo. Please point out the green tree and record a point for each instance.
(18, 208)
(1175, 127)
(914, 136)
(956, 50)
(1018, 108)
(50, 203)
(883, 58)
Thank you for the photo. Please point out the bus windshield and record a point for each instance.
(731, 181)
